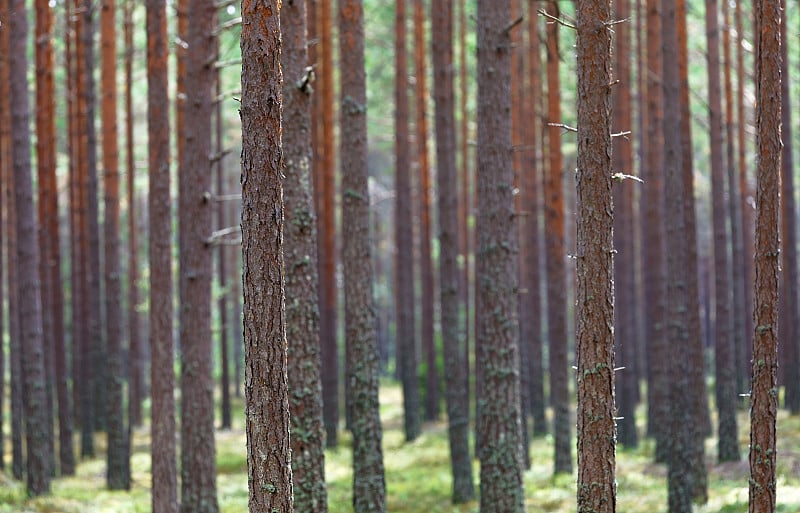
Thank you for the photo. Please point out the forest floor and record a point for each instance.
(418, 474)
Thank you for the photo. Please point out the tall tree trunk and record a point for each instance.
(38, 454)
(135, 350)
(555, 259)
(738, 312)
(369, 487)
(49, 270)
(595, 267)
(198, 463)
(497, 334)
(653, 248)
(696, 354)
(222, 264)
(763, 399)
(404, 237)
(5, 149)
(456, 379)
(680, 459)
(624, 262)
(162, 375)
(464, 172)
(327, 233)
(746, 202)
(118, 474)
(432, 381)
(517, 104)
(95, 313)
(788, 298)
(300, 239)
(81, 334)
(266, 388)
(728, 445)
(531, 239)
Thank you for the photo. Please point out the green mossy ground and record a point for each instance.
(418, 477)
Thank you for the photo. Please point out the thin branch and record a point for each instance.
(513, 24)
(220, 237)
(622, 176)
(624, 134)
(556, 19)
(228, 24)
(565, 127)
(225, 64)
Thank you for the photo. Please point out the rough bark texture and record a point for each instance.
(789, 317)
(432, 381)
(266, 382)
(531, 239)
(14, 345)
(764, 392)
(497, 334)
(406, 342)
(136, 364)
(728, 445)
(681, 417)
(38, 456)
(556, 259)
(329, 348)
(162, 375)
(653, 247)
(595, 293)
(195, 211)
(456, 380)
(467, 179)
(369, 487)
(300, 256)
(118, 474)
(624, 261)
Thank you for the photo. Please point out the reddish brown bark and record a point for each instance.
(406, 343)
(50, 262)
(5, 147)
(653, 248)
(136, 365)
(432, 381)
(624, 263)
(327, 232)
(162, 375)
(266, 388)
(555, 257)
(764, 396)
(595, 268)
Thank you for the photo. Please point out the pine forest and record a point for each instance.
(399, 256)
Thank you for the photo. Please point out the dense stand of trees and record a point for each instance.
(663, 273)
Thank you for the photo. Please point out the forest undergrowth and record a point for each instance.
(418, 474)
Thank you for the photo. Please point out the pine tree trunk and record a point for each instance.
(624, 261)
(162, 375)
(38, 451)
(198, 463)
(497, 334)
(595, 266)
(404, 237)
(456, 379)
(763, 396)
(555, 258)
(300, 250)
(266, 388)
(728, 445)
